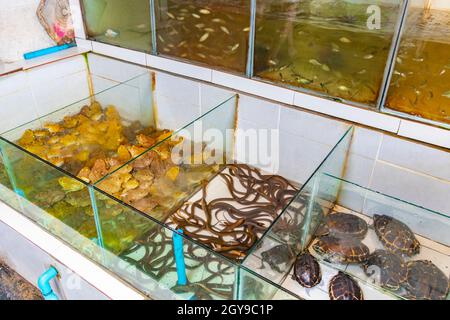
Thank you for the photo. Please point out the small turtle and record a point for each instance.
(343, 287)
(425, 281)
(343, 225)
(345, 250)
(389, 269)
(276, 256)
(307, 270)
(396, 236)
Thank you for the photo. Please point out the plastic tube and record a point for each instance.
(44, 284)
(43, 52)
(179, 257)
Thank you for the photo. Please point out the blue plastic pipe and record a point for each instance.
(43, 52)
(44, 284)
(179, 257)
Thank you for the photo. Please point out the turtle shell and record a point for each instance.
(307, 270)
(425, 281)
(341, 250)
(344, 225)
(396, 236)
(389, 269)
(343, 287)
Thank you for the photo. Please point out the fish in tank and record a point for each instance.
(122, 23)
(214, 33)
(420, 83)
(325, 46)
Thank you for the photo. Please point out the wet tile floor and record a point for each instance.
(14, 287)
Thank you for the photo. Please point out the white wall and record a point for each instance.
(20, 30)
(400, 168)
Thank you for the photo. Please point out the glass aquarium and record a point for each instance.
(117, 22)
(389, 249)
(291, 233)
(420, 80)
(194, 186)
(52, 161)
(215, 33)
(338, 49)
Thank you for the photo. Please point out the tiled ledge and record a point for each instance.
(29, 64)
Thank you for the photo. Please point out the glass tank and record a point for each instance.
(335, 48)
(421, 76)
(197, 185)
(214, 32)
(117, 22)
(389, 249)
(292, 231)
(52, 161)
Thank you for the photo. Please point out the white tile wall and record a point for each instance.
(428, 134)
(60, 92)
(177, 101)
(343, 111)
(417, 157)
(181, 68)
(211, 96)
(263, 114)
(300, 157)
(310, 126)
(366, 142)
(250, 86)
(119, 53)
(409, 186)
(401, 168)
(16, 109)
(302, 142)
(113, 69)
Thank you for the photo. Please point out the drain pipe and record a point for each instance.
(44, 284)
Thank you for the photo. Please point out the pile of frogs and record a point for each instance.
(91, 145)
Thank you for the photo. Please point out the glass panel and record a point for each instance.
(409, 246)
(420, 81)
(255, 287)
(337, 48)
(122, 23)
(149, 262)
(273, 256)
(160, 180)
(54, 200)
(6, 194)
(96, 135)
(210, 32)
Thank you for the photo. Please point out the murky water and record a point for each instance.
(323, 46)
(420, 84)
(210, 32)
(118, 22)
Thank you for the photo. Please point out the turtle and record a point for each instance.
(343, 287)
(307, 270)
(341, 250)
(276, 256)
(395, 236)
(389, 269)
(425, 281)
(343, 225)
